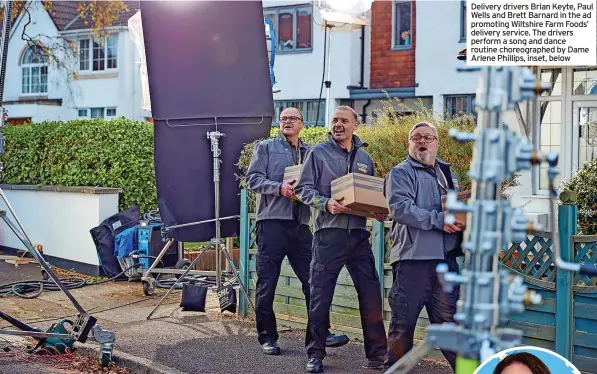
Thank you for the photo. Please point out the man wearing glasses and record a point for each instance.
(282, 225)
(421, 240)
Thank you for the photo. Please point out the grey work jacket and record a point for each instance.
(324, 163)
(266, 174)
(413, 194)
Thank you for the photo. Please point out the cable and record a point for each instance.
(325, 41)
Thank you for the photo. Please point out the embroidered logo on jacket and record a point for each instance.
(363, 168)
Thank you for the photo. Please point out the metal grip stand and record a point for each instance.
(85, 323)
(216, 243)
(489, 294)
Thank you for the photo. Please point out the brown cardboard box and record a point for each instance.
(463, 196)
(362, 193)
(292, 172)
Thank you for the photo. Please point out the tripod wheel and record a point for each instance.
(182, 264)
(148, 289)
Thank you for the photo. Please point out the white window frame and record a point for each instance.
(275, 11)
(29, 67)
(104, 113)
(398, 47)
(470, 103)
(463, 23)
(301, 104)
(91, 51)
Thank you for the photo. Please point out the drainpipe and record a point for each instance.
(362, 83)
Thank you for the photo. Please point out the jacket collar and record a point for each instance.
(417, 164)
(281, 137)
(356, 142)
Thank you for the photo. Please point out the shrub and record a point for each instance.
(584, 183)
(116, 153)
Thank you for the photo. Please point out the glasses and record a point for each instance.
(289, 119)
(427, 138)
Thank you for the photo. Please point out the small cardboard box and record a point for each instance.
(292, 172)
(463, 197)
(362, 193)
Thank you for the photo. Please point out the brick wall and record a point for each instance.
(390, 69)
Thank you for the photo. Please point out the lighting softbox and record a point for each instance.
(207, 64)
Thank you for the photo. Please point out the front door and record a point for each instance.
(585, 123)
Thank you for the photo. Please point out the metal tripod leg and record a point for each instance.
(242, 286)
(25, 240)
(409, 360)
(191, 266)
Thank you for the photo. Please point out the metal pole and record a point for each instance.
(328, 82)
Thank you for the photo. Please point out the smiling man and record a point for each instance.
(340, 239)
(421, 240)
(282, 225)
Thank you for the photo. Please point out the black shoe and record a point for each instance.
(335, 341)
(314, 365)
(375, 365)
(270, 348)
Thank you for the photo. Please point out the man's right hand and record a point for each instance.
(286, 188)
(334, 206)
(455, 227)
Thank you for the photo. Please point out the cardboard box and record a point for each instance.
(463, 196)
(292, 172)
(362, 193)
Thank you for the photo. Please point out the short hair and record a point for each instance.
(291, 107)
(346, 107)
(535, 365)
(423, 124)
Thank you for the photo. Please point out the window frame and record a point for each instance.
(91, 50)
(29, 66)
(104, 113)
(394, 46)
(470, 103)
(268, 11)
(304, 103)
(463, 25)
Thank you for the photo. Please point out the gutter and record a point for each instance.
(88, 31)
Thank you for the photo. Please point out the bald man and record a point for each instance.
(282, 226)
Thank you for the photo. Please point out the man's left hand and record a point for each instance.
(380, 217)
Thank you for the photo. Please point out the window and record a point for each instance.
(293, 26)
(584, 81)
(98, 55)
(106, 113)
(548, 134)
(34, 70)
(457, 105)
(307, 107)
(402, 25)
(463, 20)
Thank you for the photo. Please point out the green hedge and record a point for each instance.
(116, 153)
(584, 183)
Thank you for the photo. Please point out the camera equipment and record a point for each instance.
(85, 322)
(489, 293)
(209, 78)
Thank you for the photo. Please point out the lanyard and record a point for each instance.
(445, 188)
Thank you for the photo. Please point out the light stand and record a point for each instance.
(489, 294)
(85, 323)
(216, 243)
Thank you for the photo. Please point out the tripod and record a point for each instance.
(84, 323)
(216, 243)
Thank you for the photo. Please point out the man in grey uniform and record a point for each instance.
(421, 240)
(340, 239)
(282, 225)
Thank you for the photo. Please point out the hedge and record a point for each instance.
(116, 153)
(584, 183)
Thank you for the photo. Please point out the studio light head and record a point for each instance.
(342, 12)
